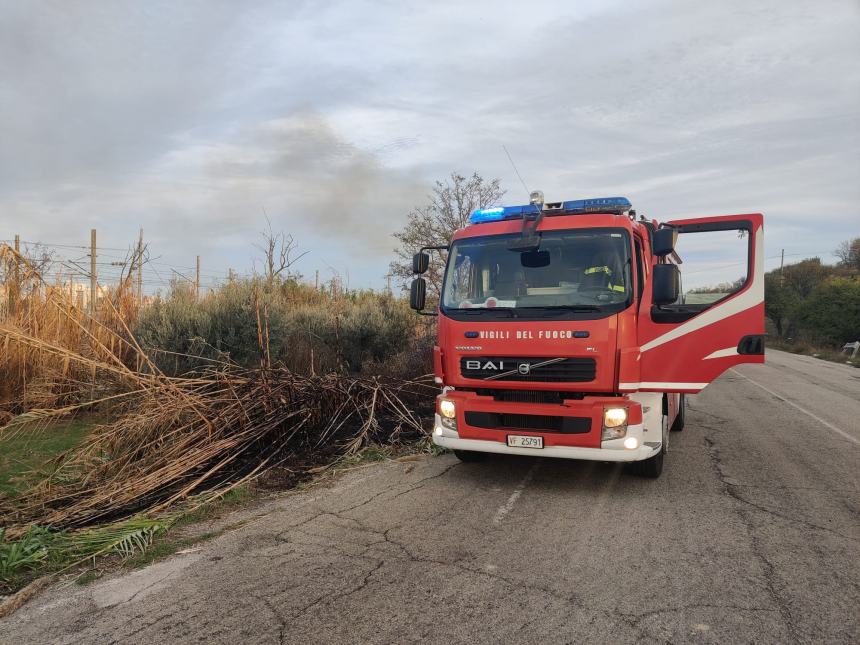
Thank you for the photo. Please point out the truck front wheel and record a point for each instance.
(653, 467)
(470, 456)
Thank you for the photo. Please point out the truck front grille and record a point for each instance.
(532, 369)
(523, 396)
(545, 423)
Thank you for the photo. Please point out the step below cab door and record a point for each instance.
(717, 321)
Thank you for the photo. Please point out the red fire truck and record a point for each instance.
(564, 331)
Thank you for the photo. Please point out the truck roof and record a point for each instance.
(557, 222)
(614, 205)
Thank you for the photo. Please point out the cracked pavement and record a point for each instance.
(751, 535)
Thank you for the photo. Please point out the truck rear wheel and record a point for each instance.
(678, 424)
(469, 456)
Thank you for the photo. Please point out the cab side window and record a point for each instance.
(714, 264)
(640, 271)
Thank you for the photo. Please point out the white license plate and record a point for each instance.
(522, 441)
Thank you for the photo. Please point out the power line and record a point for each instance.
(62, 246)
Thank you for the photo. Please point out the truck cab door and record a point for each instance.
(718, 320)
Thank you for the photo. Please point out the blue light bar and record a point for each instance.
(480, 215)
(616, 205)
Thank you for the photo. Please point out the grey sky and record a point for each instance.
(190, 118)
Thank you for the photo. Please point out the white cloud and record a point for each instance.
(336, 117)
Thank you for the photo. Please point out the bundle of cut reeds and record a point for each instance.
(224, 428)
(179, 436)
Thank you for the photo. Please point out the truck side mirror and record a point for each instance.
(420, 263)
(418, 294)
(664, 241)
(667, 281)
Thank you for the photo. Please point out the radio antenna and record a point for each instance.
(514, 166)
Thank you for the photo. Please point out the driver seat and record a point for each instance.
(596, 277)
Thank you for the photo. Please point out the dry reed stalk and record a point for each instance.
(179, 436)
(160, 454)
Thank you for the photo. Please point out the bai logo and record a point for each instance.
(489, 365)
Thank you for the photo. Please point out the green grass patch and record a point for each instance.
(41, 551)
(25, 455)
(87, 577)
(367, 455)
(167, 547)
(153, 553)
(133, 543)
(216, 506)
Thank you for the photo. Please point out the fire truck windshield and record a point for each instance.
(574, 270)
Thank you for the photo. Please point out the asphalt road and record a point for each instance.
(751, 535)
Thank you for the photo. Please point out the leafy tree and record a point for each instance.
(802, 277)
(450, 204)
(831, 314)
(779, 302)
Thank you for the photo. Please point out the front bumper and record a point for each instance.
(609, 450)
(579, 438)
(564, 452)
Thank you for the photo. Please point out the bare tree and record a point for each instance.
(38, 257)
(448, 209)
(280, 252)
(849, 254)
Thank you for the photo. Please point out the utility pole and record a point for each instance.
(13, 293)
(140, 270)
(388, 284)
(197, 279)
(317, 280)
(781, 262)
(94, 284)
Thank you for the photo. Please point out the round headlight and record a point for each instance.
(614, 417)
(447, 409)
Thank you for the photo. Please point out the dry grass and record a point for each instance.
(178, 435)
(215, 433)
(52, 354)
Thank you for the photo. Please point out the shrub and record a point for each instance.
(374, 329)
(831, 314)
(308, 330)
(177, 326)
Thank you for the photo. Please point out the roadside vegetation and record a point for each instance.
(121, 423)
(814, 308)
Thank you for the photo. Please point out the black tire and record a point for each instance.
(470, 456)
(678, 424)
(650, 468)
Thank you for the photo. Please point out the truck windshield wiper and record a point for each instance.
(517, 312)
(472, 311)
(566, 308)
